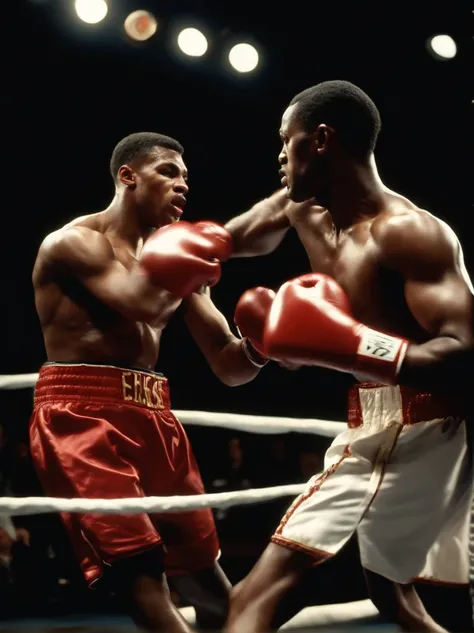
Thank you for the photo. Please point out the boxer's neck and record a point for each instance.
(356, 192)
(122, 220)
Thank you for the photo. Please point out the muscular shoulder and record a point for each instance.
(73, 247)
(73, 241)
(409, 237)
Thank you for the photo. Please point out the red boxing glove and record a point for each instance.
(182, 257)
(310, 323)
(251, 312)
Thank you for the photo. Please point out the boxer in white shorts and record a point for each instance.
(390, 302)
(400, 474)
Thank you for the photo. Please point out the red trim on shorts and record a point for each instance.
(303, 549)
(441, 583)
(314, 488)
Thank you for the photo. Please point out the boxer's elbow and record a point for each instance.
(444, 361)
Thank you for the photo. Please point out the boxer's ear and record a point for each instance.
(322, 137)
(126, 176)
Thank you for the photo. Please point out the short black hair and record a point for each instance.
(344, 107)
(139, 144)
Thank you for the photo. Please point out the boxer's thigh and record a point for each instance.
(88, 463)
(208, 591)
(190, 538)
(322, 519)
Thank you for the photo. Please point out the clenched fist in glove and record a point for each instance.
(250, 315)
(310, 323)
(182, 257)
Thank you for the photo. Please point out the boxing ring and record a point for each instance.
(338, 615)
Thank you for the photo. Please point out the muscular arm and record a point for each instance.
(261, 229)
(88, 256)
(439, 295)
(222, 350)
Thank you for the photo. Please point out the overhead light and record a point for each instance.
(192, 42)
(442, 47)
(140, 25)
(91, 11)
(243, 57)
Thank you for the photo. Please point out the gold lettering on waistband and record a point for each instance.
(125, 386)
(147, 391)
(157, 391)
(137, 382)
(142, 393)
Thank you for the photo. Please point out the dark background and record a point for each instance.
(71, 91)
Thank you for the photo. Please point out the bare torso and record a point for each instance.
(77, 327)
(353, 258)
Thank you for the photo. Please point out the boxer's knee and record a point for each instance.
(237, 597)
(141, 586)
(243, 593)
(207, 590)
(240, 610)
(125, 571)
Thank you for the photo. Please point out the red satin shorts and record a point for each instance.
(105, 432)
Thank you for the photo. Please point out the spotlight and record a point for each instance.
(192, 42)
(442, 47)
(243, 57)
(140, 25)
(91, 11)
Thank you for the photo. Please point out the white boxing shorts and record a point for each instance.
(401, 477)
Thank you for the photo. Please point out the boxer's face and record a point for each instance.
(159, 187)
(303, 165)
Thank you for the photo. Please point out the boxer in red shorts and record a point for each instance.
(389, 301)
(105, 287)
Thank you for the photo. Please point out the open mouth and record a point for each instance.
(177, 204)
(177, 212)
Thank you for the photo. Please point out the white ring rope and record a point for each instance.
(18, 381)
(319, 615)
(234, 421)
(16, 506)
(260, 423)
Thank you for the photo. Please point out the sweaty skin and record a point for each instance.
(96, 305)
(403, 272)
(402, 269)
(82, 325)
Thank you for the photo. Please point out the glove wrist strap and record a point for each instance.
(380, 356)
(252, 354)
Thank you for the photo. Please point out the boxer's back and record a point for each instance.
(76, 325)
(356, 257)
